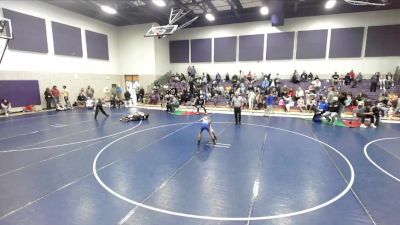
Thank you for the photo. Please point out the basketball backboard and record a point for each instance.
(5, 28)
(160, 31)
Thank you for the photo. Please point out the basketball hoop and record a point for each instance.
(5, 34)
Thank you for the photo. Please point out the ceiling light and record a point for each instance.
(210, 17)
(108, 9)
(330, 4)
(264, 10)
(159, 3)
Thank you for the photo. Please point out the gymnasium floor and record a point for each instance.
(264, 171)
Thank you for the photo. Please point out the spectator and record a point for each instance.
(119, 91)
(172, 104)
(252, 98)
(269, 102)
(299, 93)
(226, 77)
(60, 107)
(319, 109)
(364, 111)
(66, 97)
(310, 76)
(301, 104)
(6, 106)
(81, 100)
(382, 80)
(303, 76)
(347, 79)
(56, 95)
(141, 95)
(115, 102)
(295, 77)
(288, 102)
(317, 84)
(89, 92)
(335, 78)
(374, 82)
(396, 77)
(48, 97)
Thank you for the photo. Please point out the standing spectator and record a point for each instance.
(382, 81)
(303, 76)
(56, 95)
(119, 91)
(6, 106)
(66, 97)
(269, 102)
(252, 98)
(396, 77)
(89, 92)
(237, 103)
(352, 75)
(374, 82)
(335, 78)
(128, 98)
(99, 106)
(226, 77)
(317, 85)
(48, 97)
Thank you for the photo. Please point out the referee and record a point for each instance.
(237, 103)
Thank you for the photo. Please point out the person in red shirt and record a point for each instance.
(352, 75)
(56, 95)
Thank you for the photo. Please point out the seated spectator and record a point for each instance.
(90, 104)
(265, 83)
(310, 76)
(115, 102)
(374, 82)
(347, 79)
(226, 77)
(365, 111)
(81, 100)
(218, 78)
(317, 84)
(303, 76)
(5, 106)
(295, 77)
(288, 102)
(154, 97)
(301, 104)
(291, 92)
(335, 78)
(299, 93)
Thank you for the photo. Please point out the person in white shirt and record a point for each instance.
(237, 103)
(252, 97)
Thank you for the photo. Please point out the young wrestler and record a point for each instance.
(135, 117)
(206, 125)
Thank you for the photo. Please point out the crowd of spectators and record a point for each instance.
(305, 92)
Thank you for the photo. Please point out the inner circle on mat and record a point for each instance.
(205, 217)
(373, 162)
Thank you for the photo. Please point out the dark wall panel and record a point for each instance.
(280, 46)
(346, 42)
(251, 47)
(97, 45)
(311, 44)
(67, 40)
(200, 50)
(20, 92)
(179, 51)
(225, 49)
(383, 41)
(29, 32)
